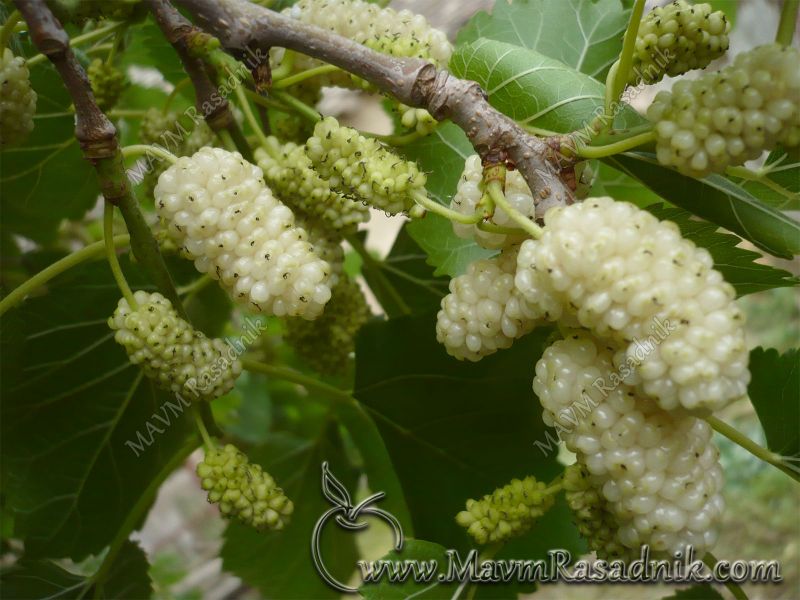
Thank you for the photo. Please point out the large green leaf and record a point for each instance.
(422, 552)
(535, 89)
(780, 186)
(442, 156)
(718, 200)
(453, 430)
(84, 433)
(736, 264)
(775, 394)
(584, 34)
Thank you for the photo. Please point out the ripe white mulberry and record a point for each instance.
(731, 116)
(658, 471)
(469, 194)
(363, 168)
(677, 38)
(484, 312)
(243, 489)
(17, 100)
(292, 177)
(508, 512)
(631, 279)
(170, 351)
(219, 209)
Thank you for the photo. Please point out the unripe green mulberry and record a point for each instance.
(108, 83)
(327, 343)
(156, 124)
(17, 100)
(289, 173)
(326, 242)
(729, 117)
(170, 351)
(243, 489)
(677, 38)
(362, 168)
(508, 512)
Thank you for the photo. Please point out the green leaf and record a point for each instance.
(736, 264)
(442, 156)
(587, 37)
(618, 185)
(728, 7)
(701, 591)
(775, 394)
(780, 187)
(279, 563)
(419, 551)
(534, 89)
(147, 47)
(453, 430)
(84, 432)
(718, 200)
(128, 577)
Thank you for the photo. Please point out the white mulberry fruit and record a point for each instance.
(219, 209)
(658, 471)
(484, 312)
(729, 117)
(469, 194)
(677, 38)
(170, 351)
(17, 100)
(631, 279)
(363, 168)
(293, 178)
(243, 489)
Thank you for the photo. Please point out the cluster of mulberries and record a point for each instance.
(17, 100)
(170, 351)
(219, 209)
(484, 312)
(730, 116)
(469, 194)
(362, 168)
(507, 512)
(243, 490)
(327, 343)
(677, 38)
(107, 82)
(658, 472)
(631, 279)
(291, 176)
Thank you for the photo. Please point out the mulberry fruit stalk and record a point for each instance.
(107, 82)
(469, 194)
(219, 209)
(729, 117)
(243, 489)
(170, 351)
(17, 100)
(632, 280)
(508, 512)
(677, 38)
(484, 312)
(362, 168)
(657, 471)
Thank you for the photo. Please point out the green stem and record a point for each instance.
(745, 442)
(733, 588)
(130, 113)
(448, 213)
(616, 147)
(111, 255)
(194, 287)
(119, 36)
(91, 251)
(620, 77)
(293, 376)
(81, 39)
(227, 140)
(136, 150)
(244, 104)
(788, 22)
(8, 28)
(403, 139)
(395, 299)
(285, 68)
(762, 178)
(173, 94)
(495, 189)
(267, 102)
(284, 82)
(201, 427)
(301, 108)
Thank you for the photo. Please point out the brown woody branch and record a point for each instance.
(243, 27)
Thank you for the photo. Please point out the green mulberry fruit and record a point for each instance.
(17, 100)
(108, 83)
(243, 490)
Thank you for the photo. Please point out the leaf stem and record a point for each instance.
(403, 139)
(94, 250)
(111, 255)
(745, 442)
(186, 81)
(495, 189)
(300, 107)
(618, 75)
(788, 22)
(733, 588)
(616, 147)
(448, 213)
(297, 377)
(284, 82)
(201, 427)
(249, 115)
(8, 28)
(136, 150)
(80, 39)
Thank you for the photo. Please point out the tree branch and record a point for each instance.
(97, 137)
(243, 27)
